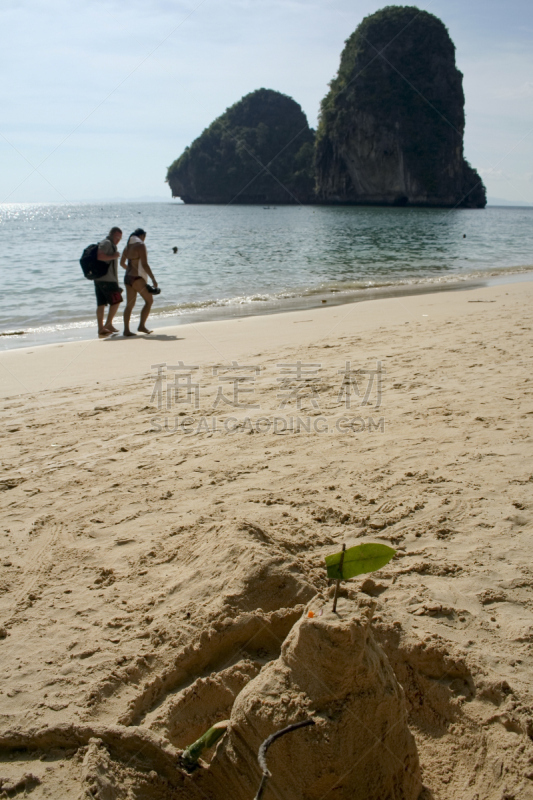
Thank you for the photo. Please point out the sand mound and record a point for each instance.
(332, 669)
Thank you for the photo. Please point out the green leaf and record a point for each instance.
(358, 560)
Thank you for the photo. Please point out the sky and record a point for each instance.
(100, 96)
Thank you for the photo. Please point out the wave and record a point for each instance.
(340, 291)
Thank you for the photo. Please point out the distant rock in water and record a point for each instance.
(260, 150)
(391, 127)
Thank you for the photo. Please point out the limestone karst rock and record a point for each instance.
(259, 151)
(391, 127)
(332, 669)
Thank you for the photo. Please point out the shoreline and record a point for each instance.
(306, 301)
(30, 369)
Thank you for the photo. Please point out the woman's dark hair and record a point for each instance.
(137, 232)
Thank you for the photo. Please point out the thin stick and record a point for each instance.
(338, 583)
(261, 756)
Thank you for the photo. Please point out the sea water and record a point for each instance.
(238, 260)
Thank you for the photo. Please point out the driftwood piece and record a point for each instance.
(261, 756)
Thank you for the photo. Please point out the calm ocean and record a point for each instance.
(237, 260)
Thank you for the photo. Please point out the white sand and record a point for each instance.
(146, 575)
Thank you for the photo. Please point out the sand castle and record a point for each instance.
(330, 669)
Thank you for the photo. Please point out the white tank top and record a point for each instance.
(138, 267)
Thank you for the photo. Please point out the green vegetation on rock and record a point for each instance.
(259, 151)
(391, 127)
(390, 133)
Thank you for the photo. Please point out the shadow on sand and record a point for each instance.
(160, 337)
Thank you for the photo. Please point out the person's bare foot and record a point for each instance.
(104, 332)
(112, 328)
(129, 333)
(144, 330)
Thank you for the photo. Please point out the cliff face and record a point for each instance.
(227, 162)
(391, 127)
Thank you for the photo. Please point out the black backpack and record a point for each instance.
(91, 266)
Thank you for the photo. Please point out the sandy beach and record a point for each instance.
(163, 542)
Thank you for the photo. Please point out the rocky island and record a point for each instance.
(259, 151)
(391, 127)
(390, 131)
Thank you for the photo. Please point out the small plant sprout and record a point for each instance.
(356, 561)
(190, 756)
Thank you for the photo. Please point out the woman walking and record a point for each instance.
(134, 260)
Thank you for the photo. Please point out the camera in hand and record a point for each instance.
(152, 290)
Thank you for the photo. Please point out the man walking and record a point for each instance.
(108, 292)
